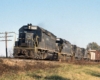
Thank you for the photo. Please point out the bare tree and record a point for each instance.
(10, 52)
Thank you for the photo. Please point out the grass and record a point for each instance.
(50, 71)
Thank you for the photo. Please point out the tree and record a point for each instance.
(10, 52)
(93, 46)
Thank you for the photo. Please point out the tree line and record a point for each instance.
(93, 46)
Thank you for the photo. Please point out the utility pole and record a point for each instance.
(6, 40)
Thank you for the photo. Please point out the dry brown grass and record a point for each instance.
(45, 70)
(10, 66)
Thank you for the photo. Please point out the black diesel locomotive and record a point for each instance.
(64, 49)
(78, 53)
(37, 43)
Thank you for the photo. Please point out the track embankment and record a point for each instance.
(24, 62)
(10, 65)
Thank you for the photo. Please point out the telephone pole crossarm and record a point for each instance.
(2, 33)
(6, 40)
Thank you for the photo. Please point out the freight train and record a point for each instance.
(34, 42)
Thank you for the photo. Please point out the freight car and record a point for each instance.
(93, 55)
(35, 42)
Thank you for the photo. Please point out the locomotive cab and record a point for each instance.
(28, 36)
(28, 40)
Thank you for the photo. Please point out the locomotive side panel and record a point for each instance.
(67, 49)
(64, 48)
(47, 41)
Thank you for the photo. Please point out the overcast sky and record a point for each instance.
(77, 21)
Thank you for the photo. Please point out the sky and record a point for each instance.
(77, 21)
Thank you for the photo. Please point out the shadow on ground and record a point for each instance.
(56, 77)
(53, 77)
(93, 73)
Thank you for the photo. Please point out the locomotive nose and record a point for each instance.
(29, 39)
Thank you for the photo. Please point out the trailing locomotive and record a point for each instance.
(78, 53)
(64, 49)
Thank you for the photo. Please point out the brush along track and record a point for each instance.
(23, 62)
(11, 65)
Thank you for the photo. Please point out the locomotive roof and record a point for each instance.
(42, 29)
(46, 31)
(65, 41)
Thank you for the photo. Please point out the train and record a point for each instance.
(35, 42)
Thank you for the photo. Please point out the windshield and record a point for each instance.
(28, 31)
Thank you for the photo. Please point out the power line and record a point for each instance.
(6, 40)
(4, 36)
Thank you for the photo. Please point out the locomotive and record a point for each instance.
(64, 49)
(79, 53)
(37, 43)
